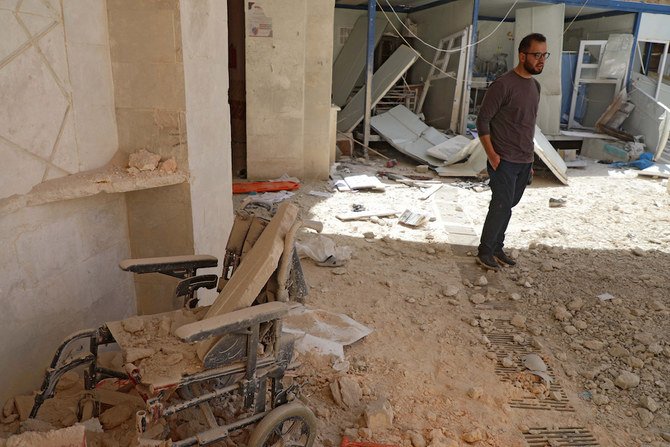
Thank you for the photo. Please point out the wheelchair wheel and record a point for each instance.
(291, 425)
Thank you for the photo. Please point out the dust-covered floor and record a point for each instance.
(589, 295)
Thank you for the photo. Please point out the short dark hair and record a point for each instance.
(524, 45)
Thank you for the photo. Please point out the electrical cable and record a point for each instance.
(575, 17)
(452, 50)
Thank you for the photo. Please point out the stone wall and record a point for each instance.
(289, 90)
(58, 269)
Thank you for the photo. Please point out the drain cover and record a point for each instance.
(560, 437)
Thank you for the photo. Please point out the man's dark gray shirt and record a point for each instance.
(508, 113)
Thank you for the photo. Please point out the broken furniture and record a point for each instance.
(193, 357)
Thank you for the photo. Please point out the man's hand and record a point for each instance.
(494, 158)
(494, 161)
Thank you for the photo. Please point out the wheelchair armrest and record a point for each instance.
(232, 321)
(177, 266)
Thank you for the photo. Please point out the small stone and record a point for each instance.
(570, 329)
(600, 399)
(168, 166)
(507, 362)
(144, 160)
(666, 435)
(619, 351)
(655, 348)
(134, 354)
(518, 321)
(379, 415)
(422, 169)
(576, 304)
(450, 290)
(646, 417)
(338, 271)
(594, 345)
(417, 439)
(627, 380)
(638, 251)
(580, 324)
(644, 337)
(515, 297)
(477, 298)
(491, 355)
(561, 313)
(473, 436)
(369, 235)
(133, 325)
(482, 281)
(634, 362)
(115, 416)
(475, 392)
(649, 403)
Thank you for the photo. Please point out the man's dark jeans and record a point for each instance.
(507, 184)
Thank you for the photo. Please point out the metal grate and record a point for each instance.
(503, 344)
(560, 437)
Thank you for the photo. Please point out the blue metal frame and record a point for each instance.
(369, 67)
(611, 5)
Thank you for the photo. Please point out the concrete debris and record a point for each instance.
(627, 380)
(169, 166)
(144, 160)
(379, 415)
(346, 392)
(473, 436)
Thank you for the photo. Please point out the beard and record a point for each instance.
(532, 69)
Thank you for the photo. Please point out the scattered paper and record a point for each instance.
(605, 296)
(412, 219)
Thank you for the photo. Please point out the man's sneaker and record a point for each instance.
(488, 262)
(504, 259)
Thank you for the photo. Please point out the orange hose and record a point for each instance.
(347, 443)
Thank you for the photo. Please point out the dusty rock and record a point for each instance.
(507, 362)
(576, 304)
(475, 392)
(421, 169)
(438, 439)
(24, 404)
(580, 324)
(477, 298)
(133, 325)
(417, 439)
(627, 380)
(600, 399)
(644, 337)
(9, 408)
(338, 271)
(646, 417)
(594, 345)
(68, 380)
(561, 313)
(369, 235)
(168, 166)
(144, 160)
(619, 351)
(350, 391)
(570, 329)
(482, 281)
(518, 321)
(35, 425)
(634, 362)
(115, 416)
(379, 415)
(450, 291)
(133, 354)
(473, 436)
(649, 403)
(655, 348)
(666, 435)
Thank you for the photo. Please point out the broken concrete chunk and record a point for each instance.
(473, 436)
(133, 325)
(477, 298)
(350, 391)
(649, 403)
(144, 160)
(24, 404)
(168, 166)
(646, 417)
(379, 415)
(417, 439)
(133, 354)
(518, 321)
(627, 380)
(67, 381)
(8, 409)
(115, 416)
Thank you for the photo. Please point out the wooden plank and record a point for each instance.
(430, 191)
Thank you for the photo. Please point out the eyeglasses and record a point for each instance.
(538, 55)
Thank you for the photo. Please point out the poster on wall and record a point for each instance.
(258, 24)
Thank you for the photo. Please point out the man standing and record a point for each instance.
(506, 125)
